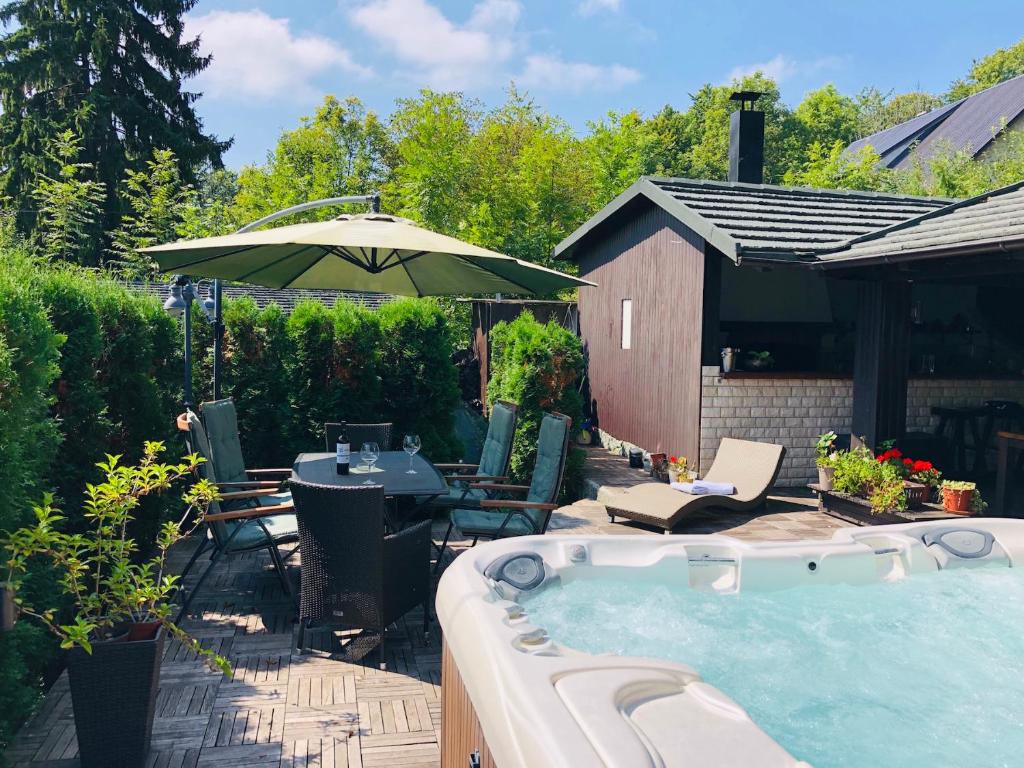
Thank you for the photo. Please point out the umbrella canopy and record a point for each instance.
(369, 252)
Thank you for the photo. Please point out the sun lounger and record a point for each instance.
(751, 467)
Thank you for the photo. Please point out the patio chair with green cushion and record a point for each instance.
(494, 461)
(243, 520)
(221, 422)
(497, 518)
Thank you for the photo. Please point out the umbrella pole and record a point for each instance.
(218, 337)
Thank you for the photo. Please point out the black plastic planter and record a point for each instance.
(113, 693)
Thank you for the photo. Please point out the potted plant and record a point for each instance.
(887, 492)
(961, 497)
(854, 471)
(120, 606)
(826, 459)
(759, 361)
(677, 469)
(925, 473)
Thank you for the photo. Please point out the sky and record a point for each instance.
(274, 60)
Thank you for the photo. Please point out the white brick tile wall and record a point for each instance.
(794, 412)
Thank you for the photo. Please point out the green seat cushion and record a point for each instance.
(486, 523)
(282, 528)
(274, 499)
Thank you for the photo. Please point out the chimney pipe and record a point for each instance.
(746, 139)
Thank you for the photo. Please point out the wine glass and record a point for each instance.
(369, 454)
(410, 445)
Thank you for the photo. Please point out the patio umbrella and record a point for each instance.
(367, 252)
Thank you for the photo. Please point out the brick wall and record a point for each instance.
(793, 412)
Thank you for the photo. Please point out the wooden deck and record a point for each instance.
(328, 709)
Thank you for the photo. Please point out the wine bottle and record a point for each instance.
(343, 451)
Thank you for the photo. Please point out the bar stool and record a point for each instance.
(959, 421)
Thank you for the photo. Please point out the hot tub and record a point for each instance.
(896, 645)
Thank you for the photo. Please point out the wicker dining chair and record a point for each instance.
(352, 574)
(359, 434)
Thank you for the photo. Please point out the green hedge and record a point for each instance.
(540, 367)
(88, 367)
(28, 444)
(332, 367)
(419, 382)
(255, 348)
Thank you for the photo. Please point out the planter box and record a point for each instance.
(113, 694)
(854, 509)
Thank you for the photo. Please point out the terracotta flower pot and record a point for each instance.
(825, 477)
(957, 502)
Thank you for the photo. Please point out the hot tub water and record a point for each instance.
(918, 673)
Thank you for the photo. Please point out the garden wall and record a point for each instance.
(794, 411)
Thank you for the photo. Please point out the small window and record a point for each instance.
(627, 323)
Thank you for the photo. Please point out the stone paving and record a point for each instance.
(331, 708)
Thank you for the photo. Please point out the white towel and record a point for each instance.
(703, 487)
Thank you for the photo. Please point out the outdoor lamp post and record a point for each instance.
(179, 302)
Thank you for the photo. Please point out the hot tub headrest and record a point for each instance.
(524, 571)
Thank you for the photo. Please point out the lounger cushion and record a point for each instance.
(751, 467)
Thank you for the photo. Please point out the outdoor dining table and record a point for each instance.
(390, 470)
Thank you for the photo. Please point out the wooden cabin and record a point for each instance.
(878, 311)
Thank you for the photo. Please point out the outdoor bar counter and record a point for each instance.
(794, 408)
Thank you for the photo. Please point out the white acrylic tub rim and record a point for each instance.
(542, 704)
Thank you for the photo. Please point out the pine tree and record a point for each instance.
(111, 71)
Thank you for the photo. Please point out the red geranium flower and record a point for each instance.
(908, 462)
(922, 466)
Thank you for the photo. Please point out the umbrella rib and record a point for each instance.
(411, 279)
(308, 267)
(243, 249)
(509, 279)
(387, 259)
(345, 255)
(274, 263)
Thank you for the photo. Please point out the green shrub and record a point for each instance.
(332, 367)
(28, 444)
(78, 405)
(29, 351)
(419, 382)
(255, 348)
(540, 367)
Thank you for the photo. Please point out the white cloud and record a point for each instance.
(545, 72)
(590, 7)
(781, 67)
(257, 55)
(446, 54)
